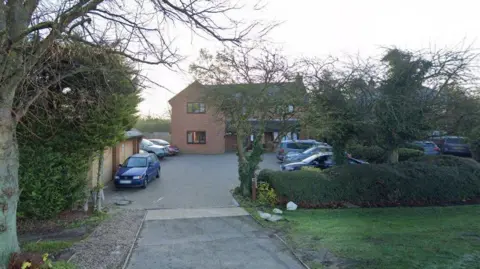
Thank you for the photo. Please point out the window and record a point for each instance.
(196, 108)
(196, 137)
(135, 162)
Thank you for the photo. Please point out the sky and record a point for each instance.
(319, 28)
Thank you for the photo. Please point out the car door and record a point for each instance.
(151, 167)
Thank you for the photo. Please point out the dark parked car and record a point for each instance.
(454, 145)
(294, 146)
(293, 156)
(321, 160)
(429, 148)
(172, 150)
(138, 170)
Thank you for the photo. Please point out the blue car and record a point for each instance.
(138, 170)
(429, 148)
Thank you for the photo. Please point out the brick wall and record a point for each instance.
(207, 122)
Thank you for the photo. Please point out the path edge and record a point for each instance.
(281, 240)
(129, 254)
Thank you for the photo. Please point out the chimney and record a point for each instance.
(299, 81)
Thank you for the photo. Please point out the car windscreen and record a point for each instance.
(300, 145)
(317, 149)
(135, 162)
(429, 145)
(455, 140)
(147, 142)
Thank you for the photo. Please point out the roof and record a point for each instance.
(251, 87)
(132, 133)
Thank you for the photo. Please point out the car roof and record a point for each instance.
(158, 139)
(141, 155)
(300, 141)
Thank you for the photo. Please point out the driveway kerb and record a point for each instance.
(127, 259)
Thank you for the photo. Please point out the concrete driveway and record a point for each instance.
(193, 222)
(189, 181)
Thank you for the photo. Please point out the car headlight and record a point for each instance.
(117, 177)
(289, 168)
(137, 177)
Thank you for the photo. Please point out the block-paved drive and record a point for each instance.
(193, 223)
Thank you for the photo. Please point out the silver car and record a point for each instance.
(293, 156)
(294, 145)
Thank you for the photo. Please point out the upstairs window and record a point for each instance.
(196, 108)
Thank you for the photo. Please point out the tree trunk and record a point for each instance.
(339, 154)
(99, 192)
(245, 184)
(9, 192)
(393, 155)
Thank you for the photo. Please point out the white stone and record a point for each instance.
(277, 211)
(264, 215)
(275, 218)
(291, 206)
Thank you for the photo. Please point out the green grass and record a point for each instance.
(63, 265)
(433, 237)
(47, 246)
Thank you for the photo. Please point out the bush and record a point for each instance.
(428, 180)
(373, 154)
(303, 187)
(376, 154)
(50, 182)
(266, 194)
(413, 146)
(405, 154)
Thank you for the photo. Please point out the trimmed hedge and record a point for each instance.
(427, 181)
(376, 154)
(405, 154)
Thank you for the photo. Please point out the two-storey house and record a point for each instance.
(195, 128)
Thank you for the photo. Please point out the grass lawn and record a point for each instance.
(47, 246)
(429, 237)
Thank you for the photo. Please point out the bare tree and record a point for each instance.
(136, 30)
(249, 87)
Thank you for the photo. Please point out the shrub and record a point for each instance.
(266, 194)
(309, 168)
(303, 187)
(428, 180)
(413, 146)
(407, 153)
(373, 154)
(376, 154)
(50, 182)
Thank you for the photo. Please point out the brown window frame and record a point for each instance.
(197, 143)
(199, 103)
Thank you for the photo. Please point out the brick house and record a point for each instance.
(197, 129)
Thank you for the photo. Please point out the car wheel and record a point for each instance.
(145, 183)
(158, 173)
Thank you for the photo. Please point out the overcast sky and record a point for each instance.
(333, 27)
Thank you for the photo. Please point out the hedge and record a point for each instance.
(426, 181)
(375, 154)
(50, 181)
